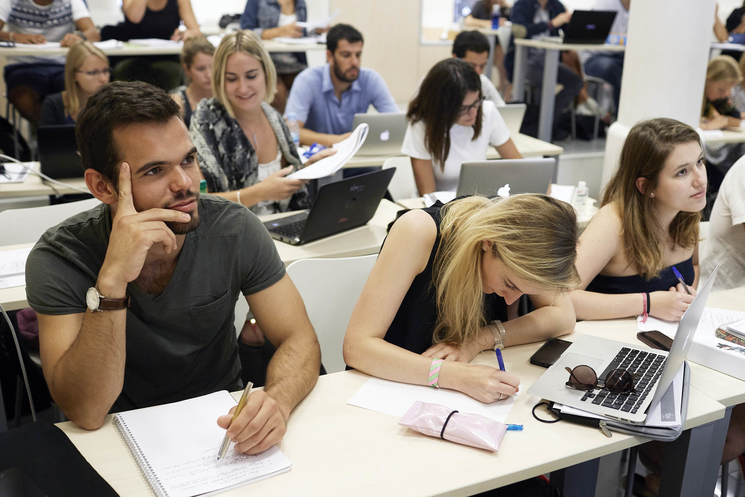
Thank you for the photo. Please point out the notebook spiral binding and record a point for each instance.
(134, 449)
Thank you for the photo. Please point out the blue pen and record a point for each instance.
(514, 427)
(680, 278)
(499, 359)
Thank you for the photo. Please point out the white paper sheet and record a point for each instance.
(156, 43)
(13, 267)
(390, 397)
(444, 197)
(345, 150)
(655, 417)
(16, 173)
(324, 23)
(41, 46)
(306, 40)
(710, 320)
(109, 44)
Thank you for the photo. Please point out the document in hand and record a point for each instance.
(176, 447)
(345, 150)
(324, 23)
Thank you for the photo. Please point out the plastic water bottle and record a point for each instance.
(495, 16)
(580, 196)
(294, 128)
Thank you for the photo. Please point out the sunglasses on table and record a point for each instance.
(585, 378)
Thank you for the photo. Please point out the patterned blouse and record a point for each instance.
(227, 157)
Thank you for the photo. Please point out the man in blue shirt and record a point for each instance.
(324, 99)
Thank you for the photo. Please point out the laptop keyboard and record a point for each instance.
(648, 368)
(291, 230)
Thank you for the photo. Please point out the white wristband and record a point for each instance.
(238, 196)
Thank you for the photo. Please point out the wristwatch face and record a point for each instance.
(92, 298)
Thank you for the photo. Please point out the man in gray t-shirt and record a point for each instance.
(135, 297)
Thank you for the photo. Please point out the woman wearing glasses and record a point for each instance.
(86, 70)
(451, 123)
(446, 286)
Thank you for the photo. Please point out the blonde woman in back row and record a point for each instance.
(446, 286)
(86, 70)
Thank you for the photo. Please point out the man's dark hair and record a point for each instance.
(469, 40)
(342, 32)
(113, 106)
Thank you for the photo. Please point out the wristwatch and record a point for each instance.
(97, 302)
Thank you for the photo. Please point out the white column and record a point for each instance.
(664, 69)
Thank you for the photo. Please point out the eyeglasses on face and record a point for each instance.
(97, 72)
(585, 378)
(465, 109)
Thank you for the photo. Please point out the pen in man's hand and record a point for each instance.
(680, 278)
(241, 404)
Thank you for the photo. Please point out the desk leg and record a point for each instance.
(691, 463)
(580, 480)
(490, 63)
(548, 97)
(518, 77)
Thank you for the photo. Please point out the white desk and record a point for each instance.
(727, 136)
(550, 70)
(132, 48)
(337, 449)
(364, 240)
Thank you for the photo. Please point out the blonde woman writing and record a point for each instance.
(446, 284)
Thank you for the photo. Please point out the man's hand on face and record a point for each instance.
(133, 234)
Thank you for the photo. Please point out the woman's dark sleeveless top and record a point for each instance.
(155, 24)
(635, 283)
(414, 324)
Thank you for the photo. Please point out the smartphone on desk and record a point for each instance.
(549, 352)
(655, 339)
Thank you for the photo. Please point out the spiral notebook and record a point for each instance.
(176, 447)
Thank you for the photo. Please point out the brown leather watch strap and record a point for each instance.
(106, 304)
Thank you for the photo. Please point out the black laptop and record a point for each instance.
(340, 206)
(589, 27)
(58, 152)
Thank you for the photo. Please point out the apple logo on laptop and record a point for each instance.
(504, 192)
(385, 136)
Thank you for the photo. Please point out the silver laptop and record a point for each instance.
(386, 133)
(655, 369)
(513, 115)
(516, 175)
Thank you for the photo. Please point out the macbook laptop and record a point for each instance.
(655, 369)
(386, 133)
(513, 115)
(58, 152)
(520, 175)
(586, 27)
(340, 206)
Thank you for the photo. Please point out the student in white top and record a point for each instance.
(451, 123)
(725, 243)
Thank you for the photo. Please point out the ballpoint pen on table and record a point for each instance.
(680, 278)
(241, 404)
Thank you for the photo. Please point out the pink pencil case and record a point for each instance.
(463, 428)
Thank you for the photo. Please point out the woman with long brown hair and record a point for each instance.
(647, 225)
(450, 123)
(446, 286)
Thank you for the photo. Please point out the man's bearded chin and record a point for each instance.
(193, 223)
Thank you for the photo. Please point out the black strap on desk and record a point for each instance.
(447, 420)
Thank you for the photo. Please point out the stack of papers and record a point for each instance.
(345, 150)
(13, 267)
(14, 173)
